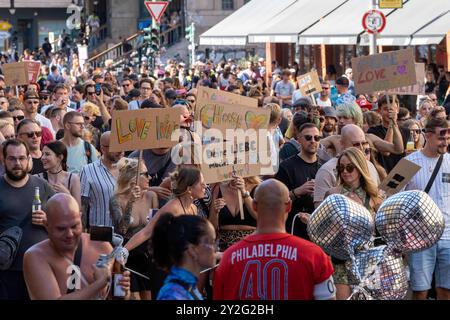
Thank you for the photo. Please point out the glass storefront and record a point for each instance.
(47, 26)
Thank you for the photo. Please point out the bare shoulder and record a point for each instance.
(149, 195)
(40, 250)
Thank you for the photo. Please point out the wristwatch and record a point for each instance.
(245, 195)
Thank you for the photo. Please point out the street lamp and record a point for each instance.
(12, 10)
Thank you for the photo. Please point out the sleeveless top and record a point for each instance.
(45, 177)
(227, 219)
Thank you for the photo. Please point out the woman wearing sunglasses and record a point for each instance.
(417, 139)
(355, 182)
(130, 206)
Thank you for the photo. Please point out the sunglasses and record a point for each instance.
(19, 118)
(87, 118)
(349, 168)
(325, 88)
(416, 131)
(367, 151)
(91, 93)
(444, 132)
(30, 135)
(309, 138)
(145, 174)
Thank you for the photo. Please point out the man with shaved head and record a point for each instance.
(326, 177)
(272, 264)
(63, 267)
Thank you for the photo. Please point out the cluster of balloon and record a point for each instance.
(408, 221)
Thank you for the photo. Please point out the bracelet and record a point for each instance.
(293, 195)
(245, 195)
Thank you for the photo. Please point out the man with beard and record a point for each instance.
(19, 227)
(324, 99)
(298, 173)
(331, 119)
(29, 131)
(67, 248)
(79, 152)
(98, 182)
(436, 259)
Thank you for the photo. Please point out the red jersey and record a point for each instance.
(271, 267)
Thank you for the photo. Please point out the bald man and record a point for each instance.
(272, 264)
(326, 177)
(63, 267)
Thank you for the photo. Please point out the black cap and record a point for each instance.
(171, 94)
(149, 104)
(303, 102)
(134, 93)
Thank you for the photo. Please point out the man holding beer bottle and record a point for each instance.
(69, 264)
(21, 226)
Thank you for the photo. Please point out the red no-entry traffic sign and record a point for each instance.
(374, 21)
(156, 8)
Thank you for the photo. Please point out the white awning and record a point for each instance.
(416, 16)
(294, 19)
(234, 29)
(418, 22)
(342, 26)
(434, 32)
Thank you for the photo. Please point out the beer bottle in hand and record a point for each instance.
(117, 291)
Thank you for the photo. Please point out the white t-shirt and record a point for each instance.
(440, 190)
(321, 103)
(326, 178)
(45, 123)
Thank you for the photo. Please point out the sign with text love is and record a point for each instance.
(16, 74)
(417, 88)
(309, 83)
(384, 71)
(143, 129)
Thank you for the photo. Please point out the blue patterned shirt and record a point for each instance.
(173, 290)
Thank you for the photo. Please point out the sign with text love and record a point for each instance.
(309, 83)
(143, 129)
(16, 74)
(206, 96)
(384, 71)
(417, 88)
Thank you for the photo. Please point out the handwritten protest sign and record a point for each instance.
(16, 74)
(415, 89)
(383, 71)
(309, 83)
(143, 129)
(206, 95)
(34, 69)
(397, 179)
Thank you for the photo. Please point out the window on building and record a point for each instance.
(227, 4)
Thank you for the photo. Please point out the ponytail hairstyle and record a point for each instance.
(184, 178)
(172, 235)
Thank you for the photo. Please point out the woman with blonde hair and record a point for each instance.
(354, 181)
(225, 214)
(130, 206)
(90, 112)
(425, 107)
(415, 130)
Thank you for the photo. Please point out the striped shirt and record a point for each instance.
(98, 184)
(440, 190)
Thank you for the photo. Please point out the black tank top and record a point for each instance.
(227, 219)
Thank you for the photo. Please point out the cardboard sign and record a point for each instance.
(416, 89)
(397, 179)
(384, 71)
(143, 129)
(207, 95)
(16, 74)
(309, 83)
(34, 69)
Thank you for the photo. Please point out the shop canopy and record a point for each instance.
(334, 22)
(234, 29)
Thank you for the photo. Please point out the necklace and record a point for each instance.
(181, 202)
(56, 172)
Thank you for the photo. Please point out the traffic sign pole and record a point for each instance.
(373, 36)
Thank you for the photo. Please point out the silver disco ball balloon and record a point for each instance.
(341, 226)
(409, 221)
(380, 276)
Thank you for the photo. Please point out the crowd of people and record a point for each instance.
(187, 239)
